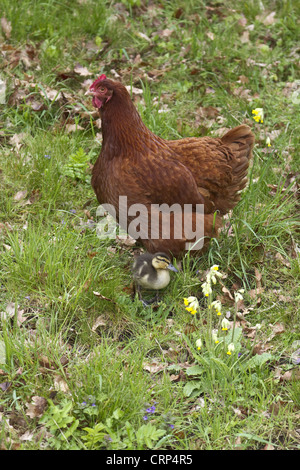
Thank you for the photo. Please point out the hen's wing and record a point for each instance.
(154, 178)
(156, 187)
(219, 166)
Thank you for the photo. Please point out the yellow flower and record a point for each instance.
(258, 114)
(192, 304)
(215, 337)
(230, 349)
(238, 295)
(198, 344)
(225, 324)
(217, 305)
(268, 141)
(211, 277)
(191, 310)
(213, 274)
(206, 289)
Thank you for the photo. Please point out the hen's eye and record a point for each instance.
(102, 88)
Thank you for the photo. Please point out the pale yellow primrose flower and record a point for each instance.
(225, 324)
(192, 304)
(215, 267)
(238, 295)
(268, 141)
(258, 114)
(191, 310)
(206, 289)
(214, 336)
(217, 305)
(198, 344)
(210, 277)
(213, 274)
(230, 349)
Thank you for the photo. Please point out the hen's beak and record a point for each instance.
(172, 268)
(89, 93)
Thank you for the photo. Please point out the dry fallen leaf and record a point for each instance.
(20, 195)
(5, 227)
(287, 376)
(6, 27)
(241, 412)
(295, 357)
(242, 92)
(5, 386)
(25, 59)
(37, 105)
(237, 443)
(143, 36)
(154, 366)
(44, 362)
(268, 447)
(277, 329)
(227, 297)
(37, 407)
(245, 37)
(73, 128)
(250, 331)
(208, 112)
(27, 436)
(83, 71)
(267, 20)
(284, 261)
(16, 140)
(100, 321)
(11, 310)
(134, 90)
(258, 277)
(52, 95)
(60, 384)
(254, 293)
(165, 33)
(125, 241)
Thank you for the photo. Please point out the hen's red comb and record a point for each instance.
(99, 79)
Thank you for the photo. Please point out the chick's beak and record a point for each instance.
(172, 268)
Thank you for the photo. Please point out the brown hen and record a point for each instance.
(165, 176)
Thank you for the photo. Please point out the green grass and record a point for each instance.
(71, 335)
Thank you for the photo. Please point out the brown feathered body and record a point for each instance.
(152, 171)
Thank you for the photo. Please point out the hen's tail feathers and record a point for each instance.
(240, 140)
(239, 143)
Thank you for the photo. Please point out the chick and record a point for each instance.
(151, 271)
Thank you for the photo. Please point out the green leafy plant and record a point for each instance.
(147, 435)
(111, 435)
(77, 166)
(62, 425)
